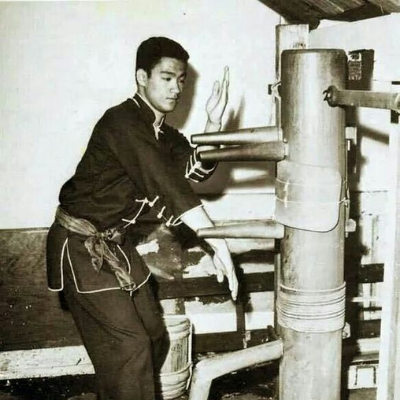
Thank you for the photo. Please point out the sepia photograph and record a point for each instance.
(200, 200)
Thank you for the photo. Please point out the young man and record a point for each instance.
(133, 162)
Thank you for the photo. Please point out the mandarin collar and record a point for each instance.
(147, 112)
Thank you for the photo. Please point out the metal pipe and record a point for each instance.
(311, 269)
(268, 229)
(208, 369)
(362, 98)
(271, 151)
(241, 136)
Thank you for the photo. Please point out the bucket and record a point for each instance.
(176, 371)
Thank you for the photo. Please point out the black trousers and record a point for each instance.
(125, 338)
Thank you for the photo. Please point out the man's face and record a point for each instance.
(165, 84)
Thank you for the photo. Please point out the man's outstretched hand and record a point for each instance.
(218, 100)
(223, 265)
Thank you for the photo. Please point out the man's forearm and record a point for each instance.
(210, 127)
(197, 218)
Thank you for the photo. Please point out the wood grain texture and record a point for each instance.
(387, 5)
(312, 12)
(295, 12)
(30, 315)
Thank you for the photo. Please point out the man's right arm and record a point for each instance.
(197, 218)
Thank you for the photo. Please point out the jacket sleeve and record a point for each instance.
(149, 166)
(188, 159)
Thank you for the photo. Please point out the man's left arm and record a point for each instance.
(215, 107)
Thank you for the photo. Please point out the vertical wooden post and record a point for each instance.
(287, 37)
(312, 262)
(389, 354)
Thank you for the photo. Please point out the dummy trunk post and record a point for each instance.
(310, 215)
(310, 304)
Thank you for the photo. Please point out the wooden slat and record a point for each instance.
(59, 361)
(228, 341)
(30, 315)
(366, 11)
(295, 12)
(313, 11)
(209, 286)
(349, 4)
(326, 7)
(367, 329)
(34, 319)
(287, 37)
(369, 273)
(387, 5)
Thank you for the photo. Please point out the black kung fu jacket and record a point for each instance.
(129, 167)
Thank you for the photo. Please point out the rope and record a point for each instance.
(316, 311)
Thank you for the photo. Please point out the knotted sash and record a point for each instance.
(96, 245)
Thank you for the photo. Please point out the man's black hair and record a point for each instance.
(153, 49)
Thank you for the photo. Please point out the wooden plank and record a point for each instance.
(30, 315)
(59, 361)
(35, 319)
(209, 286)
(349, 4)
(387, 5)
(365, 11)
(228, 341)
(311, 12)
(287, 37)
(295, 12)
(367, 329)
(368, 273)
(327, 7)
(74, 360)
(389, 376)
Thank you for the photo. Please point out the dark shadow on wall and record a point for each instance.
(233, 120)
(259, 174)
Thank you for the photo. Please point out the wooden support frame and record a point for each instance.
(389, 359)
(287, 37)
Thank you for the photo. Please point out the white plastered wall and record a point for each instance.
(64, 63)
(371, 183)
(372, 179)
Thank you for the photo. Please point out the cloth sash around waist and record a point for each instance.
(97, 246)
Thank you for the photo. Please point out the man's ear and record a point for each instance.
(141, 77)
